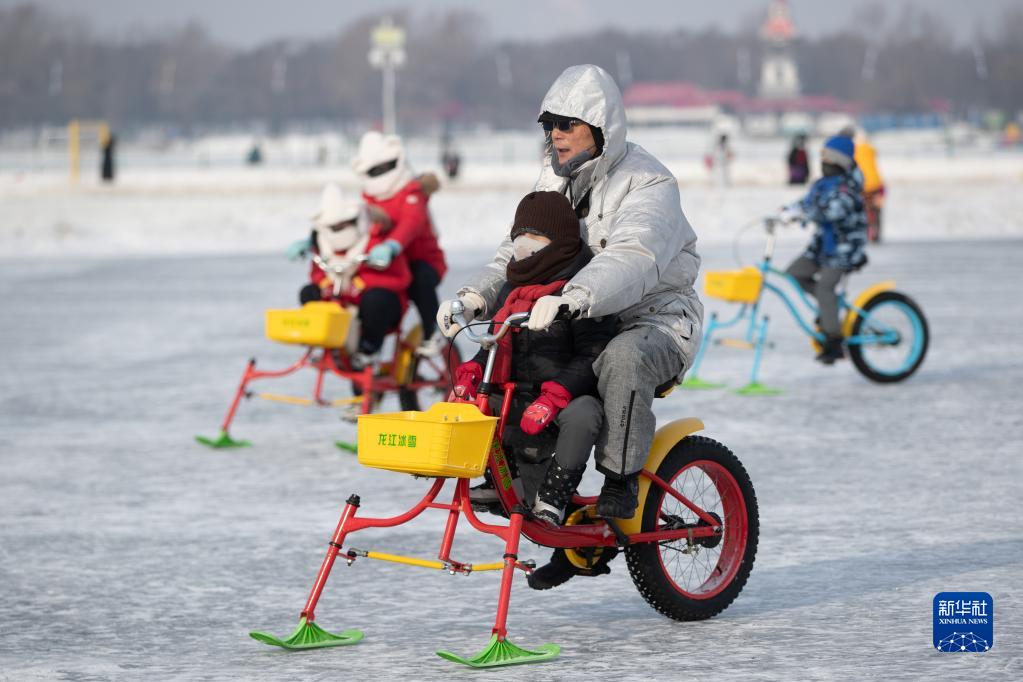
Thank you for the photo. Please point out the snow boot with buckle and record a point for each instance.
(556, 492)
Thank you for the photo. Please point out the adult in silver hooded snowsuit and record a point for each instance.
(642, 271)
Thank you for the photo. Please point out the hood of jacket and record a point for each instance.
(590, 94)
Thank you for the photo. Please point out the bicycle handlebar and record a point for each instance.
(485, 340)
(337, 270)
(336, 273)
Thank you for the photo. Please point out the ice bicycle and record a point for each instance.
(884, 330)
(689, 547)
(325, 328)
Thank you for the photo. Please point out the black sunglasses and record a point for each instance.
(562, 125)
(382, 168)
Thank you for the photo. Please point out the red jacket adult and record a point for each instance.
(411, 225)
(396, 277)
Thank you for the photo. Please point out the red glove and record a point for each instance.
(467, 376)
(553, 399)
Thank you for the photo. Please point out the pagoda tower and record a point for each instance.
(779, 76)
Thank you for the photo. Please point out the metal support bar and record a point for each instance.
(455, 567)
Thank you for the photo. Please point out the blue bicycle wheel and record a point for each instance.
(891, 338)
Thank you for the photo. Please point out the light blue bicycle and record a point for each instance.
(885, 330)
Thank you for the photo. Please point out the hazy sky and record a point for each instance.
(248, 22)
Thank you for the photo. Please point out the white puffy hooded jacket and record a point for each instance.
(645, 263)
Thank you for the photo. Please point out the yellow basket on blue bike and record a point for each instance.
(449, 439)
(737, 286)
(318, 323)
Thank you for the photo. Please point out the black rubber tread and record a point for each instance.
(409, 400)
(856, 351)
(645, 567)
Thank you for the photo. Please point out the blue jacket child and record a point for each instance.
(835, 204)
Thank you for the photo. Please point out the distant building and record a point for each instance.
(778, 108)
(683, 103)
(779, 75)
(677, 103)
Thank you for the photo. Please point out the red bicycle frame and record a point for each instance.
(576, 536)
(325, 362)
(588, 535)
(596, 533)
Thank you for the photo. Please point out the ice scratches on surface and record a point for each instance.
(128, 551)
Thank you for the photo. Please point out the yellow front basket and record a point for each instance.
(318, 323)
(737, 286)
(449, 439)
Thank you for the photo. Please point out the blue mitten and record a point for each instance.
(297, 250)
(381, 255)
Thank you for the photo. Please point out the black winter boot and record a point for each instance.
(484, 497)
(557, 571)
(831, 350)
(619, 497)
(556, 492)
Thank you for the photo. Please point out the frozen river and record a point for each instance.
(127, 551)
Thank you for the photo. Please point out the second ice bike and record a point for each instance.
(884, 330)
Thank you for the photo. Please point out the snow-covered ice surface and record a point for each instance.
(127, 551)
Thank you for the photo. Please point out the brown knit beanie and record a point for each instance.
(551, 215)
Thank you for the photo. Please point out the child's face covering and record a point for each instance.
(525, 245)
(344, 238)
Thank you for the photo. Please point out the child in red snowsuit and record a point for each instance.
(390, 188)
(342, 232)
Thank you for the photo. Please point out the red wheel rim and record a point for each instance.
(705, 572)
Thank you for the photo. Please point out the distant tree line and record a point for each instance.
(53, 68)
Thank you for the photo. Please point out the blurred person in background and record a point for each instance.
(873, 184)
(798, 161)
(1012, 136)
(342, 231)
(835, 204)
(390, 187)
(255, 155)
(718, 160)
(451, 161)
(109, 148)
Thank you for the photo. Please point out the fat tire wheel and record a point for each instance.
(450, 358)
(856, 351)
(645, 562)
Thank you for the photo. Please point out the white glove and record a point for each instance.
(547, 308)
(474, 304)
(791, 214)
